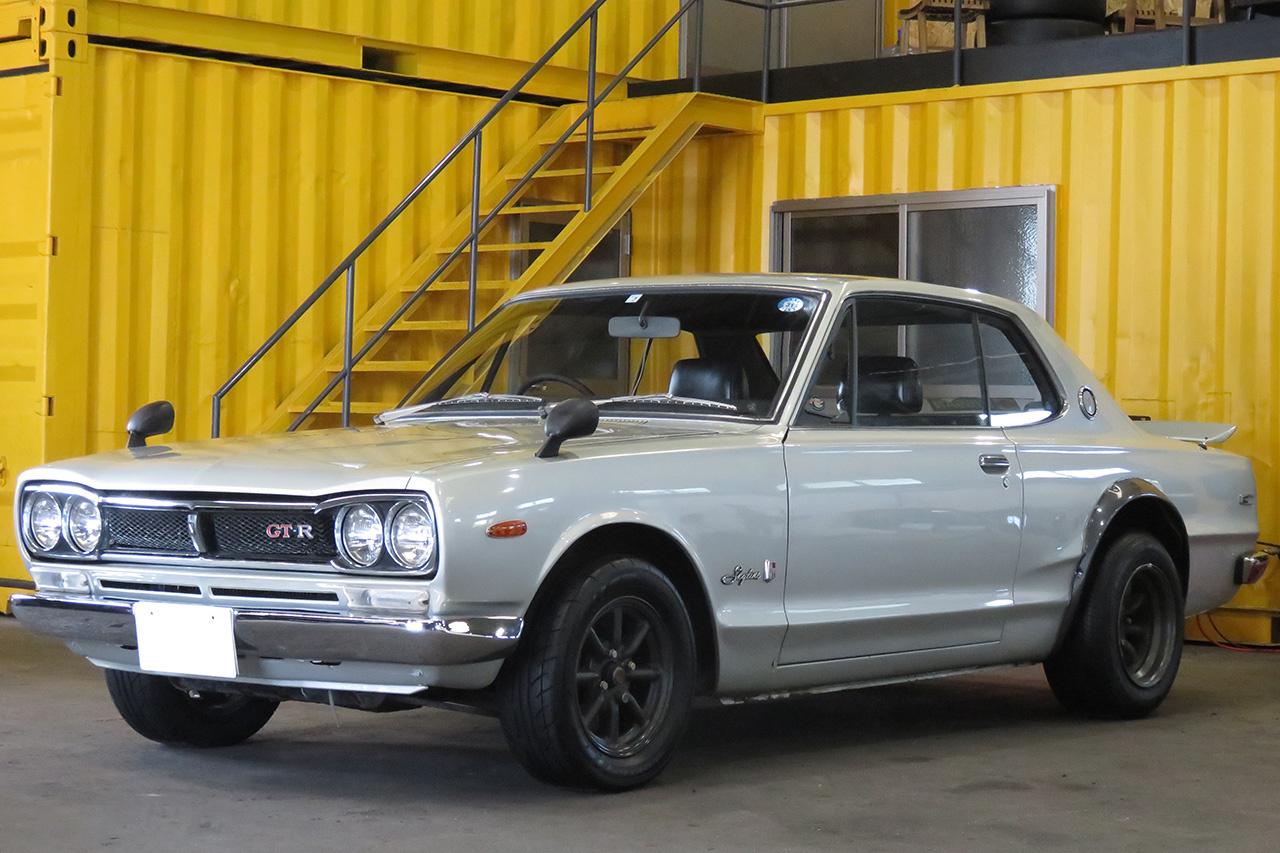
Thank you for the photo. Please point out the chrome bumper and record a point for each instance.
(292, 635)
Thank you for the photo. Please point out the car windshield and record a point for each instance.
(702, 350)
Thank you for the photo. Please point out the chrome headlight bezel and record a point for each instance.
(390, 536)
(62, 494)
(387, 506)
(30, 499)
(377, 525)
(68, 523)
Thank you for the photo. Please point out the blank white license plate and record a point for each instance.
(185, 639)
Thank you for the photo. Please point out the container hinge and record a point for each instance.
(49, 246)
(53, 86)
(46, 407)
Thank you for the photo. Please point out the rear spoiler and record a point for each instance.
(1193, 431)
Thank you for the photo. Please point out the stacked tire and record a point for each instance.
(1035, 21)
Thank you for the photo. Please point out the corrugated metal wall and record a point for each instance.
(1167, 221)
(516, 29)
(702, 213)
(24, 175)
(223, 195)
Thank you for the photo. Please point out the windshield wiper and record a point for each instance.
(666, 399)
(479, 399)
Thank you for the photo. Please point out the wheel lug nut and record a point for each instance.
(604, 685)
(631, 664)
(613, 653)
(626, 697)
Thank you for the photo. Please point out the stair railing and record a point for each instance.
(347, 267)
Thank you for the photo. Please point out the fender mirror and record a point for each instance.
(152, 419)
(574, 418)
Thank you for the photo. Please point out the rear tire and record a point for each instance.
(599, 692)
(156, 709)
(1122, 654)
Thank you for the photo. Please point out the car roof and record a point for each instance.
(838, 286)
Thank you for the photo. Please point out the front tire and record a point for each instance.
(599, 693)
(156, 709)
(1122, 654)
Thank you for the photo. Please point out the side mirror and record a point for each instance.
(574, 418)
(152, 419)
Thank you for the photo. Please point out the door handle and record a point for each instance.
(994, 463)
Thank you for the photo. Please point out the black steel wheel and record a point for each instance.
(1146, 625)
(1121, 655)
(600, 690)
(158, 710)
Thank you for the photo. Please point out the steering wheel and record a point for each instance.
(556, 377)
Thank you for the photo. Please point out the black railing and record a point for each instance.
(474, 138)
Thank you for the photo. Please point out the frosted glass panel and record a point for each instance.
(991, 249)
(845, 244)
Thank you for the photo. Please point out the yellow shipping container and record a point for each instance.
(178, 176)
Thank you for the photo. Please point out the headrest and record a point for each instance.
(708, 379)
(889, 385)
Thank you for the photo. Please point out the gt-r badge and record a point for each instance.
(289, 531)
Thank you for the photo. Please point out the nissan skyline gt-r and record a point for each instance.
(614, 497)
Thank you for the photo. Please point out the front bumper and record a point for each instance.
(292, 635)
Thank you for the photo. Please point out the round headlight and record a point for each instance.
(360, 533)
(84, 523)
(411, 536)
(44, 521)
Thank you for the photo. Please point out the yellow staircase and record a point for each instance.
(410, 326)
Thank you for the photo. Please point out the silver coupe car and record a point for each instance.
(613, 498)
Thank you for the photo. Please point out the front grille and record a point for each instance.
(152, 530)
(272, 533)
(227, 531)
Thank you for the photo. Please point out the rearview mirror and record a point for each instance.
(574, 418)
(152, 419)
(644, 327)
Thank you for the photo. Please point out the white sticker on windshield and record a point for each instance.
(790, 305)
(635, 297)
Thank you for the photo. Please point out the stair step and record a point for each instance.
(576, 172)
(520, 209)
(505, 247)
(580, 135)
(423, 326)
(461, 285)
(389, 366)
(336, 409)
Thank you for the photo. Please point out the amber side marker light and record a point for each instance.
(507, 529)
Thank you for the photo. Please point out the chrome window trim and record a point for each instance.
(1064, 403)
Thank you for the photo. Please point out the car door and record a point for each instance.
(905, 501)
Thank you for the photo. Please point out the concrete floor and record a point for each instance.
(977, 763)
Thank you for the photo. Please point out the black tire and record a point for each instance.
(1079, 10)
(606, 712)
(1122, 654)
(1037, 30)
(156, 709)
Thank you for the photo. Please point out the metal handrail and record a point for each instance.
(472, 137)
(478, 225)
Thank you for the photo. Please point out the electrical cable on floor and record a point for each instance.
(1225, 643)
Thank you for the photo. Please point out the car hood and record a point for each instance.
(333, 460)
